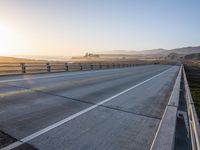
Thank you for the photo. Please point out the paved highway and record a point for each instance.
(110, 109)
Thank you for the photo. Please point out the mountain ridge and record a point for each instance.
(183, 50)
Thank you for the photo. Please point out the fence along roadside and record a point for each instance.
(24, 68)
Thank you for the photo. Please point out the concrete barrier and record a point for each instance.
(165, 135)
(24, 68)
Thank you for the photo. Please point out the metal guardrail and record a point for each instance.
(23, 68)
(194, 128)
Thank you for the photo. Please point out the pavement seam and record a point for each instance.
(52, 94)
(125, 111)
(86, 102)
(38, 88)
(49, 93)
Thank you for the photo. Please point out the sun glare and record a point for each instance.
(11, 42)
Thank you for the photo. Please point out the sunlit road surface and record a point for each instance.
(89, 110)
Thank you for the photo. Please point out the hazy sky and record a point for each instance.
(71, 27)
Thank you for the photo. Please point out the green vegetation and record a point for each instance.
(193, 76)
(196, 96)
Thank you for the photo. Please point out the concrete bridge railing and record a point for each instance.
(23, 68)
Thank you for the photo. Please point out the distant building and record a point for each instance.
(90, 55)
(123, 57)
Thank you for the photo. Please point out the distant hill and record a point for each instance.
(5, 59)
(124, 52)
(133, 52)
(184, 51)
(153, 51)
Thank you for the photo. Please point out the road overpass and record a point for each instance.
(113, 109)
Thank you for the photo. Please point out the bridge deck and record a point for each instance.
(125, 107)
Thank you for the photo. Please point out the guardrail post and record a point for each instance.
(66, 67)
(81, 67)
(100, 66)
(91, 66)
(108, 66)
(48, 67)
(23, 67)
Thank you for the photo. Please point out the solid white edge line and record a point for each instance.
(36, 134)
(163, 115)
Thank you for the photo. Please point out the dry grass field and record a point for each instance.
(11, 65)
(4, 59)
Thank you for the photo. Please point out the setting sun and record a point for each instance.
(11, 42)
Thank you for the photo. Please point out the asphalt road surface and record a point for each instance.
(114, 109)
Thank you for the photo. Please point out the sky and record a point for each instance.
(73, 27)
